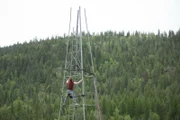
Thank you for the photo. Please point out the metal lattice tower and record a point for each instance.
(79, 66)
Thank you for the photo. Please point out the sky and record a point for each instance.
(25, 20)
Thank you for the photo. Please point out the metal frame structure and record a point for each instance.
(74, 66)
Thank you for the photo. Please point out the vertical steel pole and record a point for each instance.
(67, 43)
(84, 115)
(95, 87)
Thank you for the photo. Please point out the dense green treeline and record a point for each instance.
(138, 76)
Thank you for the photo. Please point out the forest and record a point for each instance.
(138, 76)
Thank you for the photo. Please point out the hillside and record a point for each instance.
(138, 77)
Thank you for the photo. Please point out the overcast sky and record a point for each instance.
(23, 20)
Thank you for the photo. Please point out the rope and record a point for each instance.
(80, 70)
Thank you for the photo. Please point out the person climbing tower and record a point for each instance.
(70, 84)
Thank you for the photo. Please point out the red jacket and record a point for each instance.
(70, 85)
